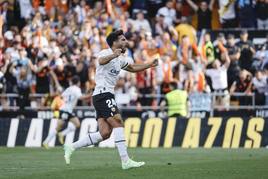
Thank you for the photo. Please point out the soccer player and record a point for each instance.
(110, 62)
(70, 97)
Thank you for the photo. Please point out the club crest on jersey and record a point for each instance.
(114, 72)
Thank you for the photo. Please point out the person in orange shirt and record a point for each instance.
(167, 75)
(168, 47)
(146, 80)
(187, 49)
(186, 52)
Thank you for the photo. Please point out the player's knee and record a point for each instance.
(118, 120)
(58, 129)
(106, 133)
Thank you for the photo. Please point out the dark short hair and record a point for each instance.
(75, 80)
(113, 36)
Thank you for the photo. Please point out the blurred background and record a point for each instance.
(216, 51)
(209, 90)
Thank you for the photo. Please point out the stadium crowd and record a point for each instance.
(44, 43)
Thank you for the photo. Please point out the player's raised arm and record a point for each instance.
(106, 59)
(140, 67)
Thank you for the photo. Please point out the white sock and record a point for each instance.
(90, 139)
(120, 143)
(50, 136)
(70, 128)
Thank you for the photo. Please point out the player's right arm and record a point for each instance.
(106, 59)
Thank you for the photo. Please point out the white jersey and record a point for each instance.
(70, 98)
(107, 75)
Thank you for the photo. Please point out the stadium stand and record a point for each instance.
(44, 43)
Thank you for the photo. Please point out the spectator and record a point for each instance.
(247, 51)
(208, 49)
(185, 29)
(186, 50)
(168, 12)
(165, 70)
(146, 80)
(243, 85)
(153, 6)
(234, 54)
(24, 84)
(140, 23)
(42, 76)
(219, 46)
(260, 84)
(218, 77)
(7, 14)
(227, 13)
(168, 47)
(246, 13)
(82, 72)
(260, 58)
(26, 9)
(81, 11)
(262, 14)
(160, 25)
(204, 12)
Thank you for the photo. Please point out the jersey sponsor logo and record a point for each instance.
(114, 72)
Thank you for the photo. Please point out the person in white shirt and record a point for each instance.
(110, 62)
(260, 84)
(25, 9)
(218, 75)
(168, 12)
(227, 13)
(70, 97)
(140, 23)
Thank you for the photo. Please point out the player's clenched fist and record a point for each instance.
(154, 63)
(117, 52)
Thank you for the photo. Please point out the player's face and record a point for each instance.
(122, 42)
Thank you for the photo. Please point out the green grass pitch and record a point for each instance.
(97, 163)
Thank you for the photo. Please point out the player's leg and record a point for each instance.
(72, 125)
(53, 133)
(104, 132)
(118, 127)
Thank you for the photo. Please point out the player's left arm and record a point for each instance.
(140, 67)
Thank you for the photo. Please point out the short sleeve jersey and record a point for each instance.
(70, 98)
(107, 75)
